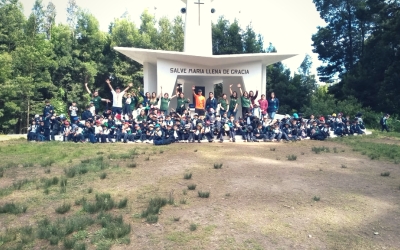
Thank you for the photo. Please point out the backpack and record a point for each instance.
(382, 122)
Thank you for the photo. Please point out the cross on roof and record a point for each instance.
(198, 2)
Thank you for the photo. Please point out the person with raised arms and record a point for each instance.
(96, 99)
(200, 101)
(117, 97)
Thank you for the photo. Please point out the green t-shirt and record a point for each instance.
(232, 103)
(140, 118)
(223, 103)
(96, 102)
(133, 103)
(164, 103)
(181, 102)
(245, 102)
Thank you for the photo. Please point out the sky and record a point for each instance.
(287, 24)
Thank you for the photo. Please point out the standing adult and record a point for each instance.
(245, 101)
(223, 105)
(211, 102)
(96, 99)
(48, 108)
(384, 122)
(200, 101)
(181, 103)
(233, 103)
(117, 97)
(263, 105)
(273, 106)
(165, 101)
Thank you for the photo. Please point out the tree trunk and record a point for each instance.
(349, 28)
(28, 113)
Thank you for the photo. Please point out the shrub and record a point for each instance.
(385, 174)
(183, 201)
(187, 176)
(90, 190)
(193, 227)
(63, 208)
(80, 201)
(272, 149)
(19, 184)
(217, 166)
(69, 243)
(122, 203)
(103, 202)
(103, 176)
(132, 165)
(113, 226)
(335, 150)
(344, 166)
(316, 198)
(192, 186)
(204, 194)
(153, 209)
(11, 208)
(152, 218)
(292, 157)
(47, 171)
(1, 172)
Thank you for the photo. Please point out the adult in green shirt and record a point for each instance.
(245, 100)
(181, 103)
(223, 105)
(96, 99)
(233, 104)
(165, 102)
(134, 101)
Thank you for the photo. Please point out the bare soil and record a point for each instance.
(258, 200)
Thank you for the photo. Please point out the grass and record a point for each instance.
(335, 150)
(192, 186)
(63, 185)
(204, 194)
(292, 157)
(344, 166)
(316, 198)
(183, 201)
(1, 172)
(49, 182)
(318, 150)
(64, 208)
(187, 176)
(12, 208)
(272, 149)
(385, 174)
(47, 162)
(217, 166)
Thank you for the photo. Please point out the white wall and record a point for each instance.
(198, 37)
(150, 78)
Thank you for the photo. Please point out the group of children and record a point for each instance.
(158, 127)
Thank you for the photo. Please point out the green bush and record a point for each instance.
(63, 208)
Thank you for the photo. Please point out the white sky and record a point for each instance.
(287, 24)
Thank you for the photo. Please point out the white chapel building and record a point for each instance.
(197, 66)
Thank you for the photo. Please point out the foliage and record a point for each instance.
(360, 45)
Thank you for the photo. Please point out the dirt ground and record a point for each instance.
(258, 199)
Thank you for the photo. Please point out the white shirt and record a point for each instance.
(117, 98)
(93, 110)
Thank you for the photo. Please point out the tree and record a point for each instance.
(339, 44)
(50, 16)
(178, 34)
(12, 22)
